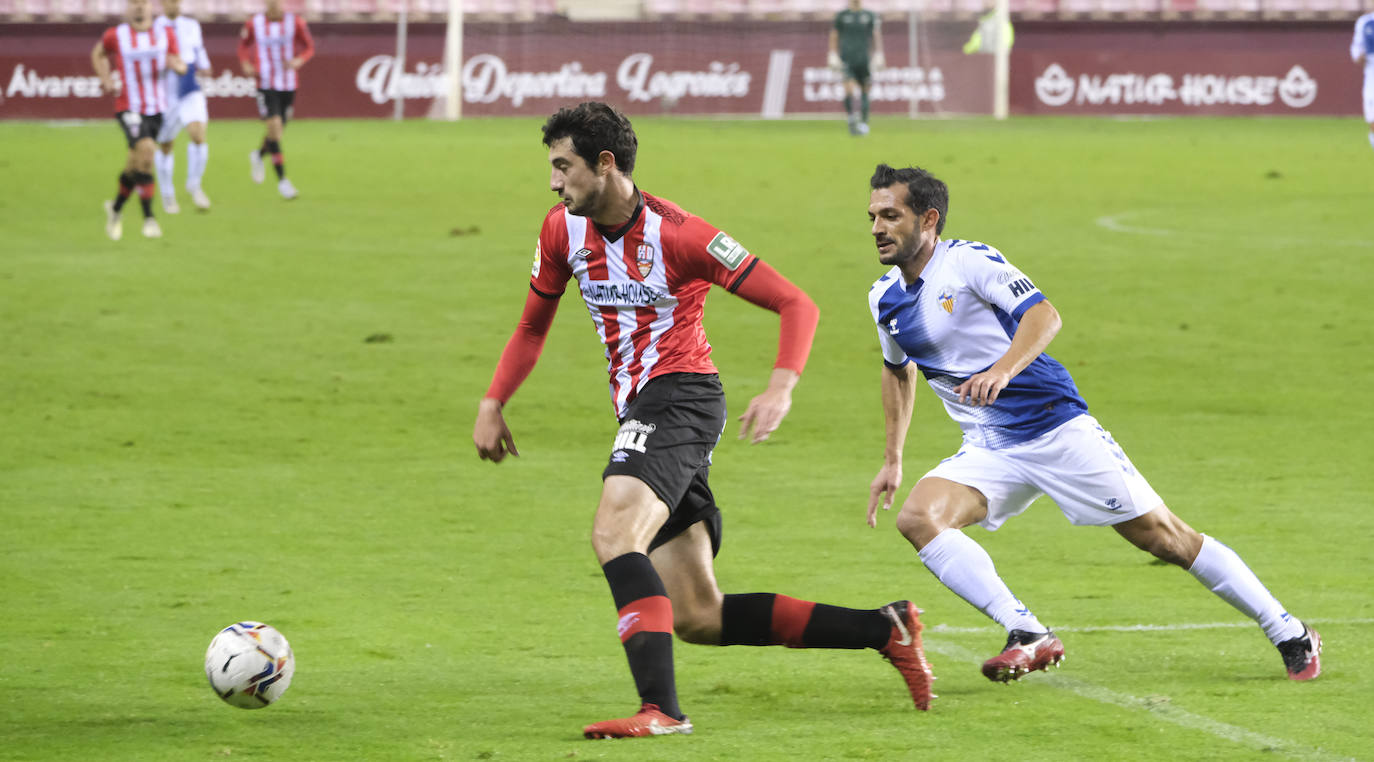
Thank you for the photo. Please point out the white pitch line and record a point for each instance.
(1115, 223)
(945, 629)
(1160, 709)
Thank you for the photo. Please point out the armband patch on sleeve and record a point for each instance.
(727, 251)
(538, 255)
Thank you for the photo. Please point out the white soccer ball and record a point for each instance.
(249, 664)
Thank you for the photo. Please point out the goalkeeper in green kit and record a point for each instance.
(856, 50)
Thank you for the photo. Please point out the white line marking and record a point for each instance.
(1115, 223)
(946, 629)
(1158, 707)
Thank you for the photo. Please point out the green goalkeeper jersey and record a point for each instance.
(855, 31)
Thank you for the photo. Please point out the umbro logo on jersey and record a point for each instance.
(947, 301)
(582, 253)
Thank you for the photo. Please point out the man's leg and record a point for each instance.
(164, 161)
(931, 519)
(851, 92)
(627, 519)
(1221, 570)
(703, 615)
(197, 156)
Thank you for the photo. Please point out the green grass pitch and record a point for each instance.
(198, 430)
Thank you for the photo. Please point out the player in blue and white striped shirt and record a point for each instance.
(186, 110)
(976, 327)
(1362, 52)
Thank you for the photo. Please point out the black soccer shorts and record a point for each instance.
(138, 126)
(665, 440)
(280, 103)
(858, 71)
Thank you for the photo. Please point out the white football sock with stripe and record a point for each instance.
(964, 567)
(197, 154)
(1223, 572)
(164, 163)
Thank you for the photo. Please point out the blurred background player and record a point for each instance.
(856, 51)
(273, 46)
(644, 266)
(976, 327)
(186, 108)
(141, 55)
(1362, 52)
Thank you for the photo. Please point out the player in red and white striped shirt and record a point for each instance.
(141, 55)
(273, 46)
(643, 267)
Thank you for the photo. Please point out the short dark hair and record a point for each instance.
(595, 127)
(924, 190)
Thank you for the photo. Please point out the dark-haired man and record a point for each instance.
(977, 328)
(130, 60)
(643, 266)
(273, 46)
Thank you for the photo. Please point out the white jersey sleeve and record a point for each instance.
(202, 58)
(1357, 44)
(893, 354)
(997, 281)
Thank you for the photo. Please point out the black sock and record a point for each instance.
(126, 186)
(646, 622)
(769, 619)
(144, 181)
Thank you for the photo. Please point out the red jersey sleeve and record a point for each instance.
(716, 257)
(246, 41)
(110, 41)
(550, 273)
(305, 44)
(712, 255)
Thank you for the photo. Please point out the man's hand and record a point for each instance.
(766, 411)
(982, 388)
(249, 70)
(883, 489)
(832, 61)
(878, 63)
(490, 433)
(295, 63)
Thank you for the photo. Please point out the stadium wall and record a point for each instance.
(745, 68)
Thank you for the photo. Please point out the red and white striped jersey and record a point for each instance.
(269, 45)
(644, 285)
(140, 57)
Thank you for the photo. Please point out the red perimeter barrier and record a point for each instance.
(752, 68)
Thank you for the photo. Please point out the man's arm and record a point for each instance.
(1038, 326)
(490, 433)
(832, 56)
(798, 315)
(304, 45)
(100, 61)
(245, 51)
(174, 61)
(899, 396)
(877, 60)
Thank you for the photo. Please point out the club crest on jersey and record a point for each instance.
(644, 257)
(947, 301)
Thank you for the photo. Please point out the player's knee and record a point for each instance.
(917, 523)
(695, 629)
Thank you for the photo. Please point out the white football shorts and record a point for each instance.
(191, 108)
(1077, 464)
(1369, 99)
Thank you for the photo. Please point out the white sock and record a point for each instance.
(1224, 573)
(165, 163)
(1371, 138)
(197, 154)
(964, 567)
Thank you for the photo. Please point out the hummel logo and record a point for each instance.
(626, 622)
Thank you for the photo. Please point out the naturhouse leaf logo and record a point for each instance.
(727, 250)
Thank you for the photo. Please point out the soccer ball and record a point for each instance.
(249, 665)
